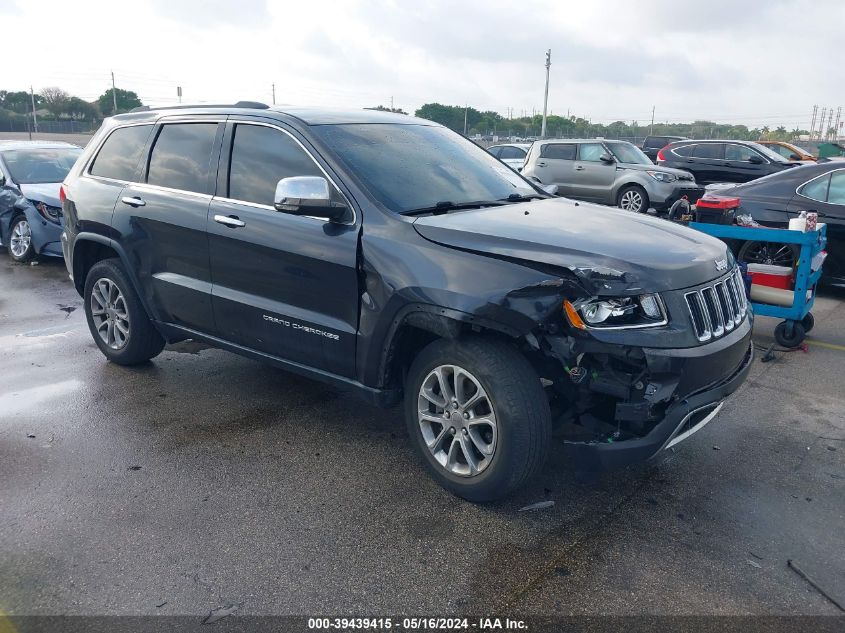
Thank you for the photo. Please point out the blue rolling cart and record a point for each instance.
(797, 318)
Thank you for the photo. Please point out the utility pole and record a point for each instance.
(179, 93)
(829, 123)
(391, 103)
(34, 116)
(113, 93)
(466, 111)
(546, 96)
(813, 121)
(651, 127)
(821, 122)
(837, 124)
(273, 85)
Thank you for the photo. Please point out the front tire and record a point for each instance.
(633, 198)
(117, 319)
(478, 417)
(20, 240)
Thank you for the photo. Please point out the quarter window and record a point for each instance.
(561, 151)
(181, 156)
(816, 189)
(261, 157)
(683, 150)
(120, 154)
(591, 152)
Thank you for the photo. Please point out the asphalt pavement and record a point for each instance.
(203, 479)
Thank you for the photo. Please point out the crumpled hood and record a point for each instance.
(47, 193)
(610, 250)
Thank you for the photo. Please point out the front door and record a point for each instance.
(283, 285)
(592, 177)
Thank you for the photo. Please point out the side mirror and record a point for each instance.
(550, 189)
(606, 158)
(755, 160)
(794, 157)
(307, 195)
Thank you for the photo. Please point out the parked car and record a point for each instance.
(775, 199)
(31, 173)
(390, 256)
(652, 144)
(788, 150)
(609, 172)
(723, 161)
(511, 154)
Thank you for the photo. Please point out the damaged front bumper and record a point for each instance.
(685, 390)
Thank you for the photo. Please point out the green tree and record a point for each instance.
(126, 100)
(382, 108)
(19, 101)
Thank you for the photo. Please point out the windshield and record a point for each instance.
(768, 153)
(409, 167)
(36, 166)
(627, 153)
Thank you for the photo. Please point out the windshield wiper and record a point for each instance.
(445, 206)
(518, 197)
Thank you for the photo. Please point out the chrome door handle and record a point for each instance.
(229, 220)
(133, 202)
(579, 168)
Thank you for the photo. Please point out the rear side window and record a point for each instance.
(181, 156)
(708, 150)
(512, 153)
(836, 193)
(561, 151)
(495, 151)
(656, 142)
(119, 156)
(261, 157)
(683, 150)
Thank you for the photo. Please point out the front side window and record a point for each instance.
(739, 152)
(628, 153)
(836, 193)
(120, 154)
(708, 150)
(591, 152)
(560, 151)
(40, 165)
(181, 156)
(408, 167)
(816, 189)
(261, 157)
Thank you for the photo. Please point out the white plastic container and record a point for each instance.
(798, 224)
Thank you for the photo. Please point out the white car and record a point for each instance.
(511, 154)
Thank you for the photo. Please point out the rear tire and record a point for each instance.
(117, 318)
(494, 435)
(633, 198)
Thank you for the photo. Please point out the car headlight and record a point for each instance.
(52, 214)
(628, 312)
(662, 176)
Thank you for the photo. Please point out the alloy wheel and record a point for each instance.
(768, 253)
(21, 238)
(457, 420)
(109, 313)
(631, 200)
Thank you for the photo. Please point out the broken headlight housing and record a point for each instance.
(618, 312)
(52, 214)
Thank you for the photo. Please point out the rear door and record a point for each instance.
(284, 285)
(555, 165)
(162, 221)
(707, 163)
(593, 178)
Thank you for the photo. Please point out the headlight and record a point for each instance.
(52, 214)
(627, 312)
(662, 176)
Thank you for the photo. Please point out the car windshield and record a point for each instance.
(627, 153)
(40, 165)
(411, 167)
(769, 153)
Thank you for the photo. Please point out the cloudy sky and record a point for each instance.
(758, 62)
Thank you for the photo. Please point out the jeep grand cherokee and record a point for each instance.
(386, 254)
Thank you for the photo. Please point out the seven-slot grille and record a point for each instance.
(717, 309)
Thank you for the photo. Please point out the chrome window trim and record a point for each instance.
(238, 121)
(86, 171)
(143, 186)
(824, 175)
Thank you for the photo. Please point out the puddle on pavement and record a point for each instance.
(188, 347)
(23, 400)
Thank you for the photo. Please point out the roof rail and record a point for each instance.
(254, 105)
